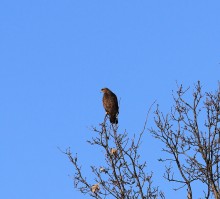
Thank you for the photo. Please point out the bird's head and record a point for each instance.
(104, 90)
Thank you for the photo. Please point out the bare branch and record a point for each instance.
(194, 150)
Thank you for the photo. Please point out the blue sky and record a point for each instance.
(57, 55)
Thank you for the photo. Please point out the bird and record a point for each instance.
(110, 104)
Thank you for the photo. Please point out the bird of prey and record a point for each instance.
(110, 103)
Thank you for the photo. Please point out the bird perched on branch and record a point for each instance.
(110, 103)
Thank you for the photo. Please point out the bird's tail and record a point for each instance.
(114, 119)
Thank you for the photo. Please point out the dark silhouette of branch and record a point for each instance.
(123, 176)
(191, 134)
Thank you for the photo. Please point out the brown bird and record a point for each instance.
(110, 103)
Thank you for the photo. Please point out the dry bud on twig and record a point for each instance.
(95, 188)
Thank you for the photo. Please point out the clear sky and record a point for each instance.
(56, 55)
